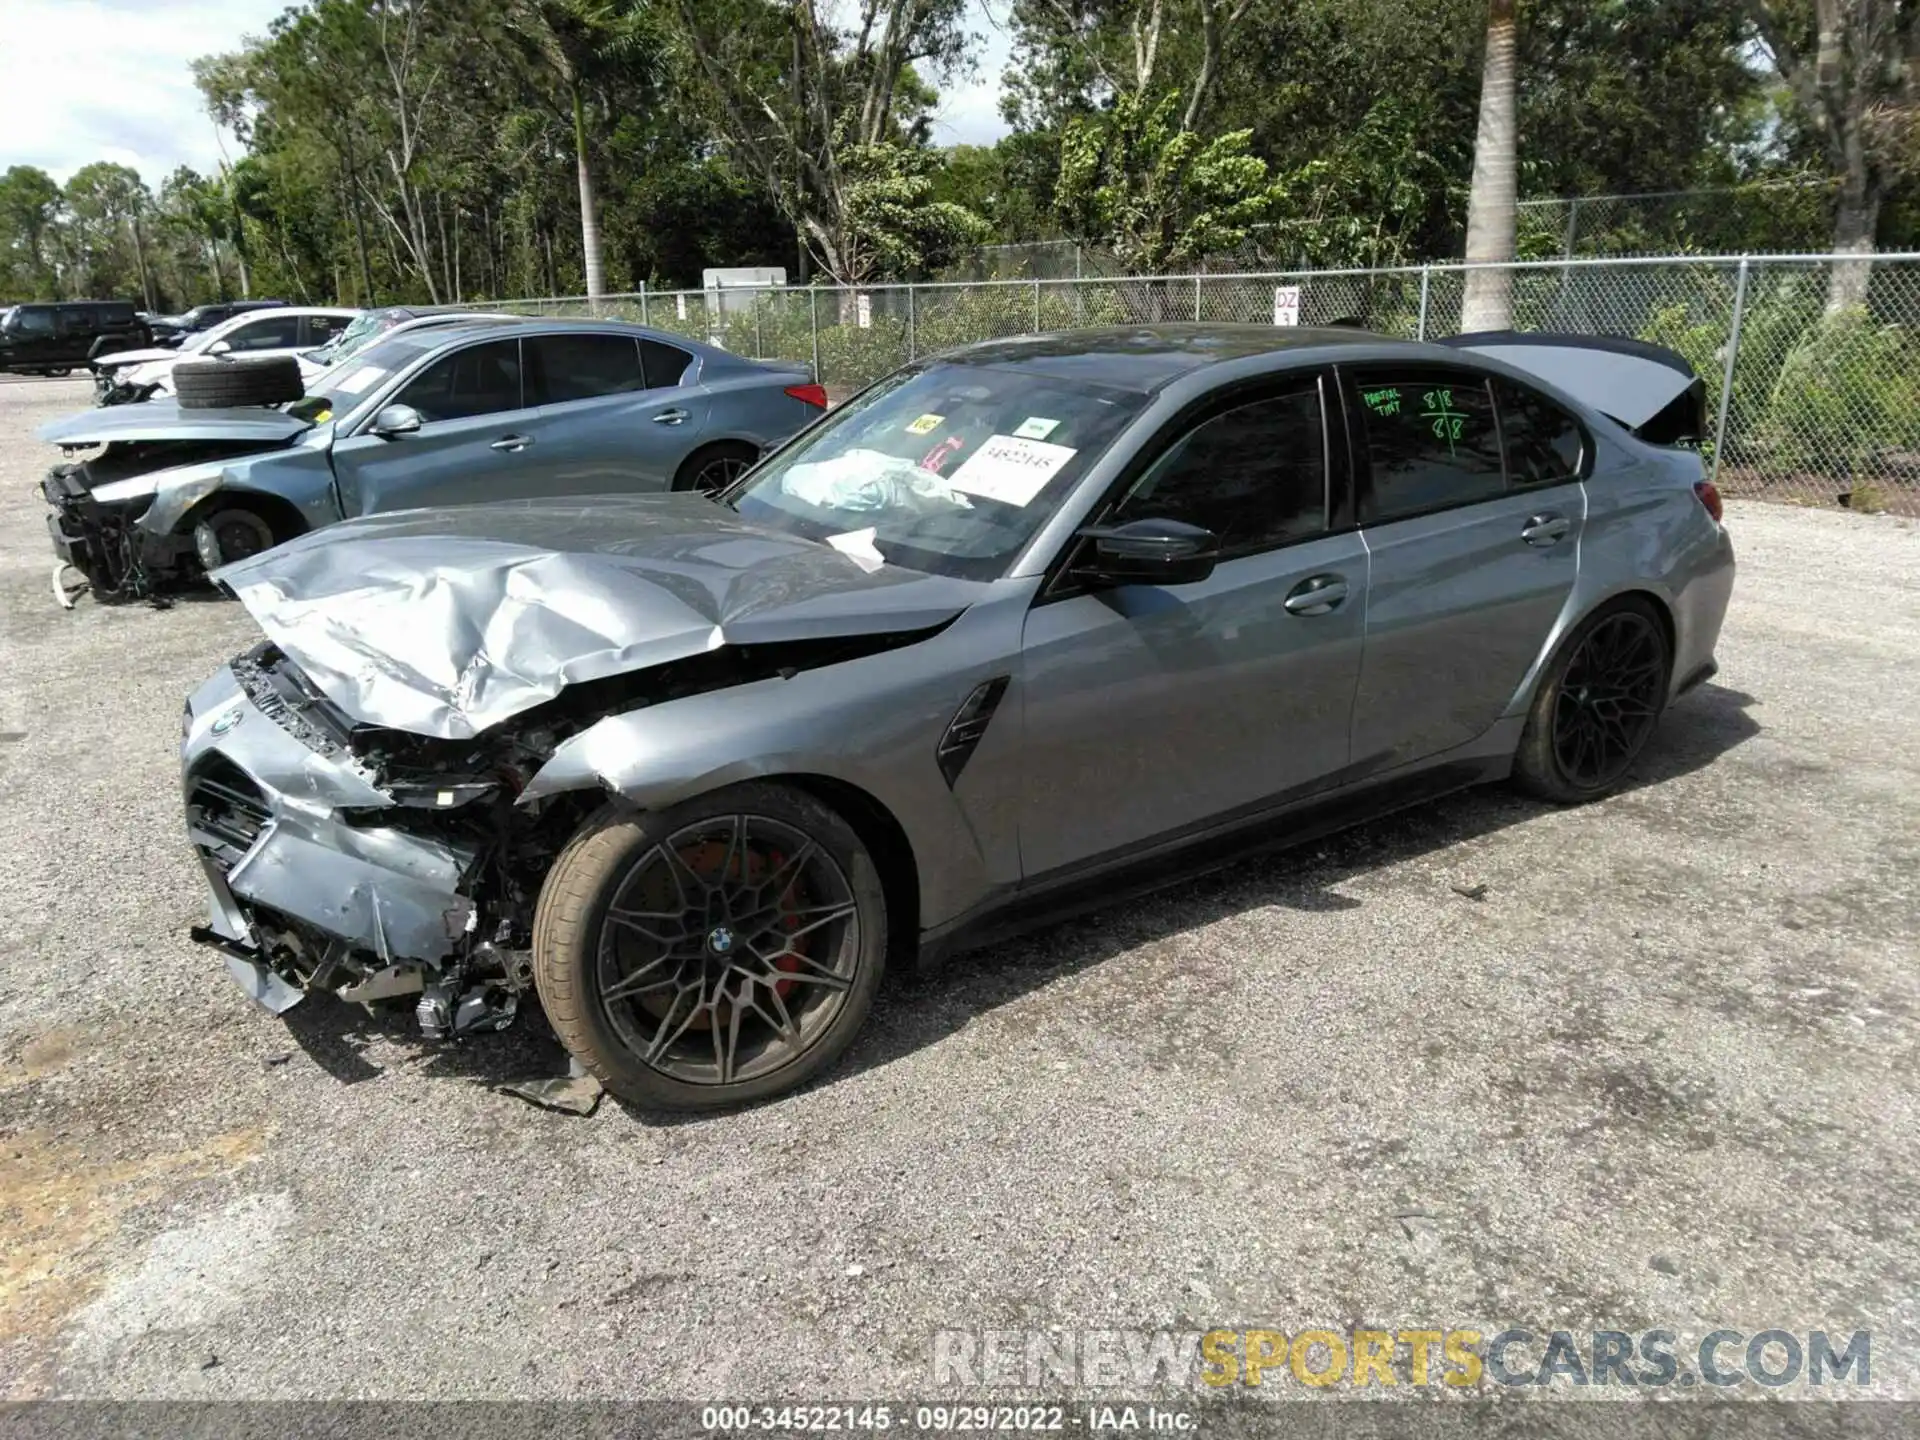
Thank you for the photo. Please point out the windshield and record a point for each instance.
(943, 467)
(336, 391)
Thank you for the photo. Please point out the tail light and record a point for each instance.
(1709, 495)
(814, 395)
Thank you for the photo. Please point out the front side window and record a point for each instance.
(1432, 442)
(941, 467)
(1256, 476)
(1545, 445)
(480, 379)
(28, 320)
(583, 367)
(277, 332)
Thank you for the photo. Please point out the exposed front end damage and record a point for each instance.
(360, 787)
(100, 536)
(330, 867)
(116, 515)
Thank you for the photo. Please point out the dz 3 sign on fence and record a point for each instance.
(1286, 304)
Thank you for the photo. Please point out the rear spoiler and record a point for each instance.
(1652, 391)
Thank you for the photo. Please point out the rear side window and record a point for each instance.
(480, 379)
(1545, 445)
(666, 364)
(78, 320)
(583, 367)
(1432, 443)
(1256, 476)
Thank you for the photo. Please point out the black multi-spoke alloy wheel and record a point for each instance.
(1597, 706)
(712, 954)
(711, 469)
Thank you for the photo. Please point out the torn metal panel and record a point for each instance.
(446, 622)
(263, 987)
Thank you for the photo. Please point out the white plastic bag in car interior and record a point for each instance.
(868, 480)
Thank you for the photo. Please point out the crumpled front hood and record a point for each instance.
(446, 622)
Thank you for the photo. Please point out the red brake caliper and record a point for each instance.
(791, 921)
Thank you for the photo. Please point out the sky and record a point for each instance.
(88, 80)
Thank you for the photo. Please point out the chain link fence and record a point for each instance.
(1809, 406)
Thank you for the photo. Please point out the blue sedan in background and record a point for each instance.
(484, 410)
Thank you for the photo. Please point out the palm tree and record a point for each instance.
(1491, 212)
(575, 40)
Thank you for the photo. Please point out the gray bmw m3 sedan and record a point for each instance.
(1018, 625)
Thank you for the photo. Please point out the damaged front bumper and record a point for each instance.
(320, 880)
(105, 542)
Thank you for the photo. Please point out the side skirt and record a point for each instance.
(1157, 864)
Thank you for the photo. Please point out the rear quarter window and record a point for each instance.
(1545, 445)
(666, 365)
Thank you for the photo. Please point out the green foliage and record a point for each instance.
(1159, 197)
(1847, 398)
(1813, 393)
(1367, 203)
(891, 210)
(29, 204)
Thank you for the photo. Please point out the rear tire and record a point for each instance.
(224, 384)
(1597, 705)
(741, 933)
(712, 468)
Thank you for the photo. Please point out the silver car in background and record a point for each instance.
(457, 414)
(1014, 629)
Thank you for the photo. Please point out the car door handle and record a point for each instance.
(670, 417)
(513, 444)
(1544, 530)
(1317, 596)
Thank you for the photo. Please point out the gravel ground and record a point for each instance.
(1662, 1073)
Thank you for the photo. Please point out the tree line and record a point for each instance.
(442, 151)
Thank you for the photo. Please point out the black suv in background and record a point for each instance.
(170, 330)
(54, 337)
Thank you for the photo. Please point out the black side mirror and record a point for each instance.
(1149, 552)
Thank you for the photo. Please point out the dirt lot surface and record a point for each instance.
(1662, 1073)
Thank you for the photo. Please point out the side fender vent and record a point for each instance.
(969, 723)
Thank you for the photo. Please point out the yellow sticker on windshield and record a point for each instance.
(925, 425)
(322, 417)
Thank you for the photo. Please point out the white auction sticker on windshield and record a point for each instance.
(1009, 469)
(356, 381)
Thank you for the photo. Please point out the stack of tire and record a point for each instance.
(227, 383)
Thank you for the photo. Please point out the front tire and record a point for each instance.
(1597, 706)
(716, 953)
